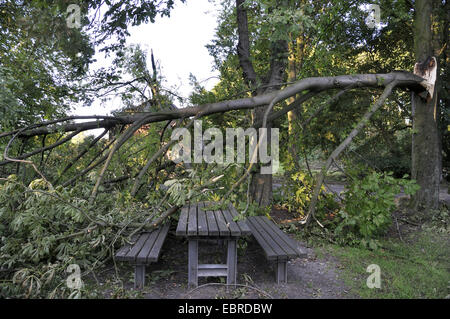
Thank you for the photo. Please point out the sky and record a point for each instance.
(178, 44)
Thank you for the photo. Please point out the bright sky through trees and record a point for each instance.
(178, 44)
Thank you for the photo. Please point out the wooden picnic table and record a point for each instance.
(200, 222)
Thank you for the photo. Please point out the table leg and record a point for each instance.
(139, 276)
(281, 274)
(231, 262)
(193, 263)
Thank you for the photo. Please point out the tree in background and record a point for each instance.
(42, 62)
(426, 147)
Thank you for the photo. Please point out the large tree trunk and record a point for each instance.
(261, 184)
(426, 159)
(294, 62)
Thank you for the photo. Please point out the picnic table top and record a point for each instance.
(200, 220)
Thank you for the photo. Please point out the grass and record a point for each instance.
(416, 268)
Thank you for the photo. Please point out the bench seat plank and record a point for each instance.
(286, 239)
(265, 236)
(121, 253)
(141, 257)
(182, 222)
(259, 236)
(136, 248)
(153, 256)
(277, 238)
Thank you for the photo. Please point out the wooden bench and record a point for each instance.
(145, 250)
(277, 246)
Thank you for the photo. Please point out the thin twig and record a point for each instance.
(398, 229)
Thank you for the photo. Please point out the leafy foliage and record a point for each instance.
(43, 231)
(42, 62)
(367, 207)
(295, 194)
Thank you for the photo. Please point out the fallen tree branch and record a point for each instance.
(405, 80)
(90, 166)
(160, 152)
(81, 154)
(365, 119)
(331, 101)
(120, 141)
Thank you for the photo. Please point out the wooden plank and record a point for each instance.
(122, 252)
(281, 274)
(192, 221)
(193, 263)
(223, 229)
(245, 230)
(182, 222)
(201, 220)
(212, 266)
(212, 270)
(153, 256)
(287, 240)
(231, 262)
(268, 251)
(269, 238)
(213, 229)
(234, 229)
(139, 276)
(279, 238)
(136, 248)
(141, 257)
(212, 273)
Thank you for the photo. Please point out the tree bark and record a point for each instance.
(261, 184)
(426, 159)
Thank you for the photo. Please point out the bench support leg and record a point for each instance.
(193, 264)
(139, 276)
(231, 262)
(281, 272)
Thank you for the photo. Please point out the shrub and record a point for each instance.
(367, 207)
